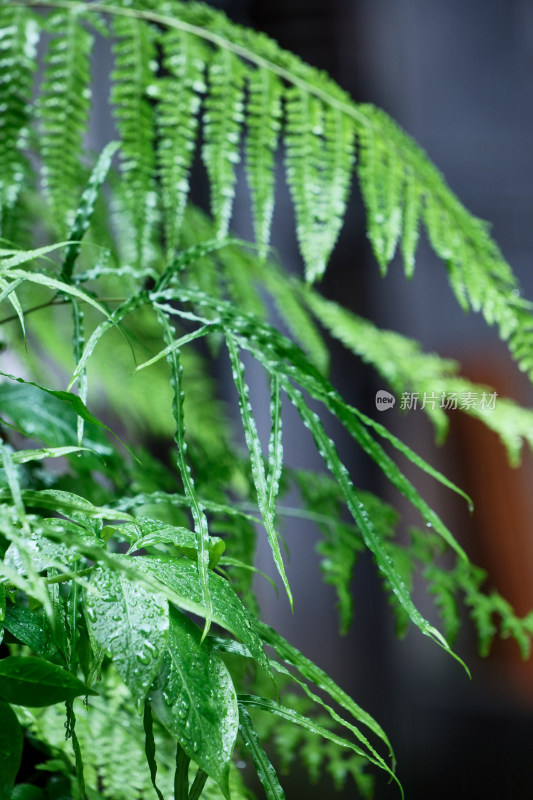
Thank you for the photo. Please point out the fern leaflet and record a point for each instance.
(133, 80)
(185, 58)
(64, 112)
(264, 124)
(17, 53)
(224, 115)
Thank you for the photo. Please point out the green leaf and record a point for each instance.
(149, 747)
(197, 512)
(66, 502)
(64, 111)
(32, 682)
(131, 624)
(23, 456)
(319, 159)
(321, 679)
(85, 210)
(184, 58)
(8, 290)
(24, 791)
(263, 115)
(17, 58)
(181, 576)
(11, 741)
(68, 398)
(60, 286)
(308, 724)
(14, 258)
(133, 75)
(265, 771)
(223, 117)
(266, 489)
(147, 532)
(195, 700)
(26, 626)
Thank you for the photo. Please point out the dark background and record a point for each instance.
(457, 77)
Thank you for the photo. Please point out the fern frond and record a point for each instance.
(64, 113)
(18, 39)
(434, 380)
(263, 115)
(381, 176)
(319, 155)
(306, 164)
(133, 78)
(223, 118)
(185, 58)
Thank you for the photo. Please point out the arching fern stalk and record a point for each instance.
(100, 576)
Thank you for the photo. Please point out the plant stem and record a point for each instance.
(63, 577)
(181, 777)
(198, 785)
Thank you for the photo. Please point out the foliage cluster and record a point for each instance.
(108, 274)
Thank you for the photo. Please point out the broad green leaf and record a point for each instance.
(195, 699)
(26, 626)
(25, 791)
(41, 416)
(265, 771)
(146, 532)
(11, 741)
(46, 545)
(130, 623)
(33, 682)
(181, 576)
(71, 400)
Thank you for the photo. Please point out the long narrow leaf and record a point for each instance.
(265, 494)
(199, 518)
(265, 771)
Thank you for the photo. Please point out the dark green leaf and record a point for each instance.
(11, 741)
(26, 626)
(29, 681)
(24, 791)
